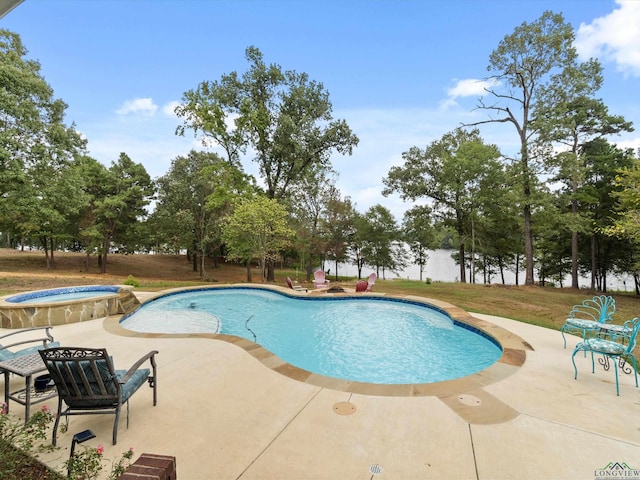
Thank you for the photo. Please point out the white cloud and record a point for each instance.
(469, 87)
(144, 106)
(627, 141)
(614, 37)
(465, 88)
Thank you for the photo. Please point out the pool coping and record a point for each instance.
(462, 394)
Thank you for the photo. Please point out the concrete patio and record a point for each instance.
(224, 414)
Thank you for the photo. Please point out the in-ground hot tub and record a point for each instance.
(59, 306)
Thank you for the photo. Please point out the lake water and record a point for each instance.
(442, 268)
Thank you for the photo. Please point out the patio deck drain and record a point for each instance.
(375, 469)
(344, 408)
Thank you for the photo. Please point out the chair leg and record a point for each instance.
(564, 340)
(153, 380)
(615, 366)
(57, 422)
(153, 384)
(155, 389)
(575, 368)
(115, 425)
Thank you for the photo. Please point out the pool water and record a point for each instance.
(365, 339)
(63, 294)
(64, 297)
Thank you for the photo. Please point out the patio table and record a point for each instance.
(25, 366)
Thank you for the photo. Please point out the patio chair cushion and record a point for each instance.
(136, 381)
(599, 345)
(6, 354)
(582, 323)
(96, 387)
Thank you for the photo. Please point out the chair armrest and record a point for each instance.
(45, 340)
(149, 356)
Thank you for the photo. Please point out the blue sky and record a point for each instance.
(401, 73)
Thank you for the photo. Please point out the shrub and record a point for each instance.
(87, 464)
(132, 282)
(18, 440)
(18, 445)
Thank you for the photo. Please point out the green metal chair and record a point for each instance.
(588, 316)
(88, 383)
(612, 350)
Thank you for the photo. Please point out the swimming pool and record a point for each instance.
(363, 339)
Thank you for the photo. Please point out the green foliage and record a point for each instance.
(194, 197)
(461, 175)
(381, 240)
(628, 203)
(18, 438)
(339, 227)
(89, 463)
(257, 229)
(419, 234)
(282, 116)
(308, 207)
(534, 59)
(39, 190)
(123, 192)
(132, 282)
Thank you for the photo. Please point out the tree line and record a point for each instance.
(564, 204)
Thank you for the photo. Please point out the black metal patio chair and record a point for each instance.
(87, 382)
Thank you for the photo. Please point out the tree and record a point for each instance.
(25, 105)
(497, 228)
(450, 172)
(627, 203)
(338, 228)
(419, 233)
(257, 228)
(282, 117)
(36, 150)
(382, 248)
(307, 206)
(567, 113)
(532, 58)
(598, 196)
(120, 204)
(60, 194)
(193, 199)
